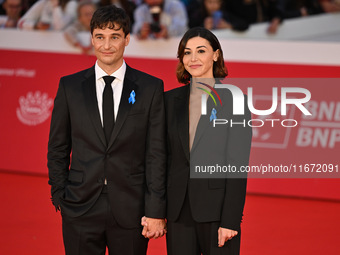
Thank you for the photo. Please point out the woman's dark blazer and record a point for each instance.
(211, 199)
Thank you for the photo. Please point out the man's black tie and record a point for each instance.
(108, 107)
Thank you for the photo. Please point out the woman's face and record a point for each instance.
(199, 58)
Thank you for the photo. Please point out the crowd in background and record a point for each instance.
(157, 18)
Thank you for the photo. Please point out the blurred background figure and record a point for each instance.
(256, 11)
(49, 15)
(187, 2)
(160, 19)
(128, 5)
(13, 9)
(27, 4)
(330, 5)
(299, 8)
(2, 10)
(82, 25)
(212, 14)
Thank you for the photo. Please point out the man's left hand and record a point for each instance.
(153, 228)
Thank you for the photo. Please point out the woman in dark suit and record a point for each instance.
(204, 210)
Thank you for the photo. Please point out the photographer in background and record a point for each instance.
(211, 15)
(299, 8)
(49, 15)
(13, 10)
(160, 19)
(256, 11)
(72, 33)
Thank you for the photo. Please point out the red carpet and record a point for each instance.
(272, 225)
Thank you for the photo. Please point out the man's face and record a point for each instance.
(13, 8)
(109, 46)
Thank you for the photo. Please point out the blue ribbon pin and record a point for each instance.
(132, 99)
(213, 114)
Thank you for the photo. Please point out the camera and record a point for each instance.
(155, 26)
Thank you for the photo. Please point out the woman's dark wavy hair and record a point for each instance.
(112, 17)
(219, 70)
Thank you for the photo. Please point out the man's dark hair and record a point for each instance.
(110, 17)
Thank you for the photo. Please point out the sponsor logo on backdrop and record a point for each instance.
(265, 136)
(322, 128)
(18, 72)
(35, 108)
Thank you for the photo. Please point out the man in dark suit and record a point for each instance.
(110, 117)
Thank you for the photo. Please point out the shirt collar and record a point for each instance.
(119, 73)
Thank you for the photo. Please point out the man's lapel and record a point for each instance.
(124, 105)
(89, 90)
(182, 113)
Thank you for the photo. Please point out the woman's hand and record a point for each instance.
(224, 235)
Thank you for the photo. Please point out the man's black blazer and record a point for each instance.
(134, 160)
(211, 199)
